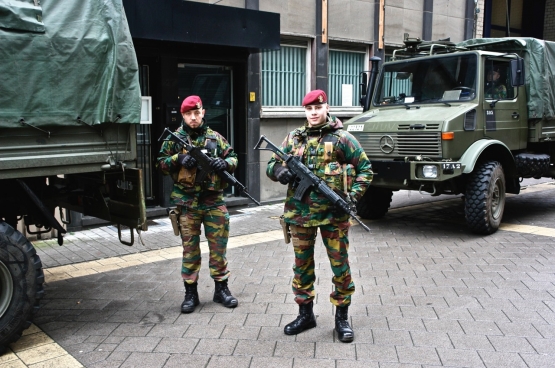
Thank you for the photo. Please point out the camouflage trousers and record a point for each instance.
(216, 230)
(336, 241)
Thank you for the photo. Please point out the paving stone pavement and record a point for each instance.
(428, 293)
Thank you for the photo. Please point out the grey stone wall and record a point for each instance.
(351, 20)
(449, 18)
(402, 16)
(298, 17)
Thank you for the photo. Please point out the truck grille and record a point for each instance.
(404, 144)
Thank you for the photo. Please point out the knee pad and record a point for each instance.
(189, 226)
(303, 236)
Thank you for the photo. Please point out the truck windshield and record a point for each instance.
(428, 80)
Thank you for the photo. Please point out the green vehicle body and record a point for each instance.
(432, 125)
(70, 104)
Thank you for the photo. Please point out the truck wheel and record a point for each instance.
(374, 203)
(531, 165)
(485, 198)
(21, 284)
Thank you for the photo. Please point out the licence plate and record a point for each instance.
(451, 166)
(355, 128)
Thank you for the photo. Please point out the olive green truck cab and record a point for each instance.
(472, 118)
(70, 103)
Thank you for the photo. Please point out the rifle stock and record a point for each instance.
(203, 163)
(306, 180)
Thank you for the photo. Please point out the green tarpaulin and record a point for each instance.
(64, 59)
(539, 58)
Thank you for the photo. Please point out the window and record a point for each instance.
(427, 80)
(498, 80)
(284, 74)
(344, 74)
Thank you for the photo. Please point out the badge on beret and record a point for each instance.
(321, 98)
(198, 105)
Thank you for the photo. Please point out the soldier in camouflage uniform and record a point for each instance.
(494, 87)
(200, 201)
(336, 157)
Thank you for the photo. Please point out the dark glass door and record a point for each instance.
(212, 83)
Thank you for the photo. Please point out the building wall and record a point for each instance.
(480, 19)
(351, 20)
(298, 17)
(449, 18)
(549, 21)
(402, 16)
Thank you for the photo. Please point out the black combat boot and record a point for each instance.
(223, 295)
(344, 331)
(191, 298)
(305, 320)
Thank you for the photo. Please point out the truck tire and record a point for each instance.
(531, 165)
(21, 284)
(375, 203)
(485, 198)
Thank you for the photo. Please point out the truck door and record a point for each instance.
(502, 106)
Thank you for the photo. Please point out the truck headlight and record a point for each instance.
(429, 171)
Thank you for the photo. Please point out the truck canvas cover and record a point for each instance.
(539, 58)
(64, 59)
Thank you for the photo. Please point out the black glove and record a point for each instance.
(187, 161)
(336, 210)
(219, 164)
(283, 175)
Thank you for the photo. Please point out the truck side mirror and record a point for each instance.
(517, 72)
(363, 87)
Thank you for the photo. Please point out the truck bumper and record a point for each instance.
(419, 171)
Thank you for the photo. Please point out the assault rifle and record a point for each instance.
(306, 180)
(203, 163)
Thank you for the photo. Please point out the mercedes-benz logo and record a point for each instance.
(387, 144)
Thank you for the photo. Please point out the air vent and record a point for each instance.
(413, 126)
(470, 120)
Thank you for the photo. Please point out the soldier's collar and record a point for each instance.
(194, 133)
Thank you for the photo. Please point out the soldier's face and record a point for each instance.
(193, 118)
(493, 76)
(316, 114)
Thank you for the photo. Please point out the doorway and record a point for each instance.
(213, 85)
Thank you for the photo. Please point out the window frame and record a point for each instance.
(302, 44)
(359, 49)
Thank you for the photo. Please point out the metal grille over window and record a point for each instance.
(344, 69)
(283, 76)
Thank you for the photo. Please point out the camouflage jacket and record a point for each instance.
(186, 191)
(496, 91)
(333, 155)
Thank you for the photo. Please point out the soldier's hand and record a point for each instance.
(187, 161)
(336, 210)
(283, 175)
(219, 164)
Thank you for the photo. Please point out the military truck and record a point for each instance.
(436, 120)
(70, 102)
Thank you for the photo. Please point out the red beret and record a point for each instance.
(191, 103)
(315, 97)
